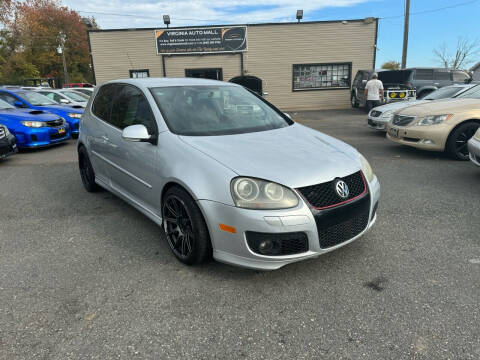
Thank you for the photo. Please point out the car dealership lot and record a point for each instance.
(87, 276)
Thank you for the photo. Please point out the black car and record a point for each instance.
(8, 145)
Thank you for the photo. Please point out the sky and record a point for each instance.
(428, 29)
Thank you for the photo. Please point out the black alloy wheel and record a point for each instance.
(86, 171)
(457, 145)
(184, 226)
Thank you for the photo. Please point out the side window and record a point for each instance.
(424, 74)
(441, 75)
(103, 102)
(131, 108)
(460, 76)
(8, 98)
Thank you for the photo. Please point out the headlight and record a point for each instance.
(433, 119)
(75, 115)
(251, 193)
(33, 124)
(387, 114)
(366, 168)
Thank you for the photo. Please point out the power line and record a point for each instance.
(213, 20)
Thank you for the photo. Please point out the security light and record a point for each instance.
(299, 15)
(166, 20)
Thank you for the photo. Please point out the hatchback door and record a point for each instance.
(132, 166)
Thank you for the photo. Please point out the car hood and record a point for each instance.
(399, 105)
(440, 107)
(61, 108)
(294, 156)
(27, 115)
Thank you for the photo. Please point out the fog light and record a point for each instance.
(427, 142)
(265, 246)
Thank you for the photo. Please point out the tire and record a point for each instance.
(86, 171)
(185, 228)
(457, 146)
(353, 101)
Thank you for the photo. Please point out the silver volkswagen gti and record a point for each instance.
(224, 172)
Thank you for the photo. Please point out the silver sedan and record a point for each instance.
(224, 172)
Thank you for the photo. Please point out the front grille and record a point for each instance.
(324, 195)
(57, 136)
(277, 243)
(55, 123)
(402, 120)
(341, 232)
(3, 133)
(375, 113)
(342, 223)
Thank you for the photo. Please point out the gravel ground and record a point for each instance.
(86, 276)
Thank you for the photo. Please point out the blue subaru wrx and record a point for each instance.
(32, 100)
(33, 128)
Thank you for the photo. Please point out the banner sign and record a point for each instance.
(201, 40)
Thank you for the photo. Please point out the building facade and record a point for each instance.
(296, 66)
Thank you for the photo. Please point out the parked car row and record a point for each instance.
(447, 120)
(32, 119)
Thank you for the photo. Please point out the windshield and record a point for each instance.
(473, 93)
(443, 93)
(75, 96)
(85, 92)
(215, 110)
(4, 105)
(36, 99)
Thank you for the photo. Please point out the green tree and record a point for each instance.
(391, 65)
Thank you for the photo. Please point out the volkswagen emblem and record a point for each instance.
(342, 189)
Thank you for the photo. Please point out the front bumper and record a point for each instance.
(232, 248)
(474, 151)
(7, 146)
(377, 123)
(41, 137)
(432, 138)
(74, 125)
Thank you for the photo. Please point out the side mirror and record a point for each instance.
(136, 133)
(18, 104)
(64, 101)
(287, 115)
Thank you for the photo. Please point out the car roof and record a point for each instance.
(165, 81)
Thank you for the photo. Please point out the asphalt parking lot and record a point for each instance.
(86, 276)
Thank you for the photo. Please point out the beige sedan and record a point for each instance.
(444, 125)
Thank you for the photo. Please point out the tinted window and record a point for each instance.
(103, 102)
(130, 107)
(423, 74)
(52, 96)
(75, 96)
(5, 105)
(216, 110)
(460, 76)
(441, 75)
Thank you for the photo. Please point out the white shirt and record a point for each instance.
(373, 87)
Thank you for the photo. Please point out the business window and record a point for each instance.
(144, 73)
(321, 76)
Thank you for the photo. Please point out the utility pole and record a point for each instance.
(61, 50)
(405, 34)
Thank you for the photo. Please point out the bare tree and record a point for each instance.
(465, 53)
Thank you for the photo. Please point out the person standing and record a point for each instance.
(373, 92)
